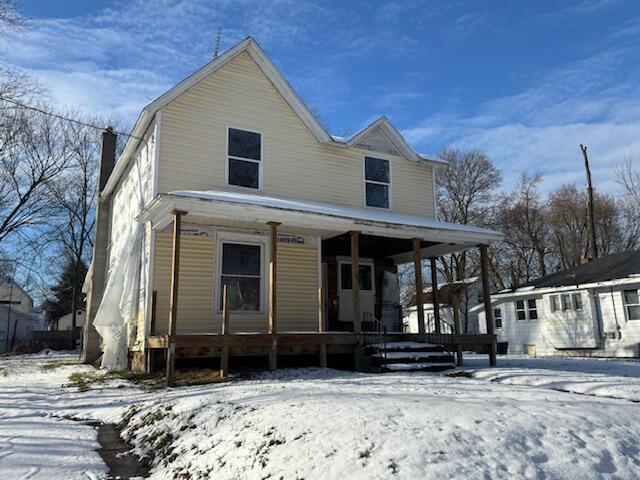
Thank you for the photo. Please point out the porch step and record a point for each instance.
(409, 357)
(419, 367)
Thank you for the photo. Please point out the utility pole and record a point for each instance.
(592, 223)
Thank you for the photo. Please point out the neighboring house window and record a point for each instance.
(497, 317)
(526, 310)
(577, 301)
(244, 158)
(566, 302)
(377, 182)
(242, 271)
(632, 304)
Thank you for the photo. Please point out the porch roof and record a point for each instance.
(327, 218)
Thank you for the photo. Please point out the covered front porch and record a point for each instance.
(316, 287)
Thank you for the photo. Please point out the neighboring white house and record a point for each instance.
(16, 327)
(12, 294)
(467, 292)
(17, 322)
(65, 322)
(591, 310)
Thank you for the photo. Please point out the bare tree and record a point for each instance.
(568, 220)
(629, 179)
(73, 195)
(466, 189)
(34, 151)
(10, 17)
(521, 217)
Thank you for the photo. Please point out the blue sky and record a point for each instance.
(525, 81)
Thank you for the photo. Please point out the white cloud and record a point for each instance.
(595, 101)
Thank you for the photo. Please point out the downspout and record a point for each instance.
(615, 314)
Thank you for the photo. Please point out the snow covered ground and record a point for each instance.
(509, 422)
(599, 377)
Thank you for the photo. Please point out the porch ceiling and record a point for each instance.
(371, 246)
(323, 219)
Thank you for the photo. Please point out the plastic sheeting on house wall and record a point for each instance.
(390, 316)
(116, 318)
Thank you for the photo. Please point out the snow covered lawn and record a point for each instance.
(599, 377)
(317, 423)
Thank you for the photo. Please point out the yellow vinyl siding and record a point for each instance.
(195, 293)
(295, 165)
(297, 288)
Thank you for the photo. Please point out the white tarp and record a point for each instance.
(391, 302)
(119, 307)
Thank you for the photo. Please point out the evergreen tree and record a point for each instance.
(63, 290)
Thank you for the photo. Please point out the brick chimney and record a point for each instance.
(97, 278)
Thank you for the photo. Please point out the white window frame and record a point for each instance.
(241, 239)
(232, 157)
(574, 304)
(526, 310)
(361, 263)
(499, 310)
(627, 305)
(555, 303)
(365, 181)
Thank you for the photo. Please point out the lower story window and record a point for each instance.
(526, 310)
(242, 272)
(632, 304)
(497, 317)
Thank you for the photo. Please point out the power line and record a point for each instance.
(67, 119)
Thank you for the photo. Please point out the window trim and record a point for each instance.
(627, 305)
(228, 157)
(361, 262)
(496, 317)
(375, 182)
(241, 239)
(526, 310)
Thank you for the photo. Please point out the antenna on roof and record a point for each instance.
(217, 49)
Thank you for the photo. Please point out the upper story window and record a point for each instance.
(244, 158)
(632, 304)
(526, 310)
(377, 182)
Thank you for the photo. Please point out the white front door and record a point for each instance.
(367, 289)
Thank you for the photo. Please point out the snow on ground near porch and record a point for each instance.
(589, 376)
(316, 423)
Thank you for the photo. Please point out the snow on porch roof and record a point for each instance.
(321, 216)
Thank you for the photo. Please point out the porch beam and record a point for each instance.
(173, 299)
(434, 294)
(273, 297)
(488, 311)
(355, 282)
(417, 266)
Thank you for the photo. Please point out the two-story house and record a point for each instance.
(229, 180)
